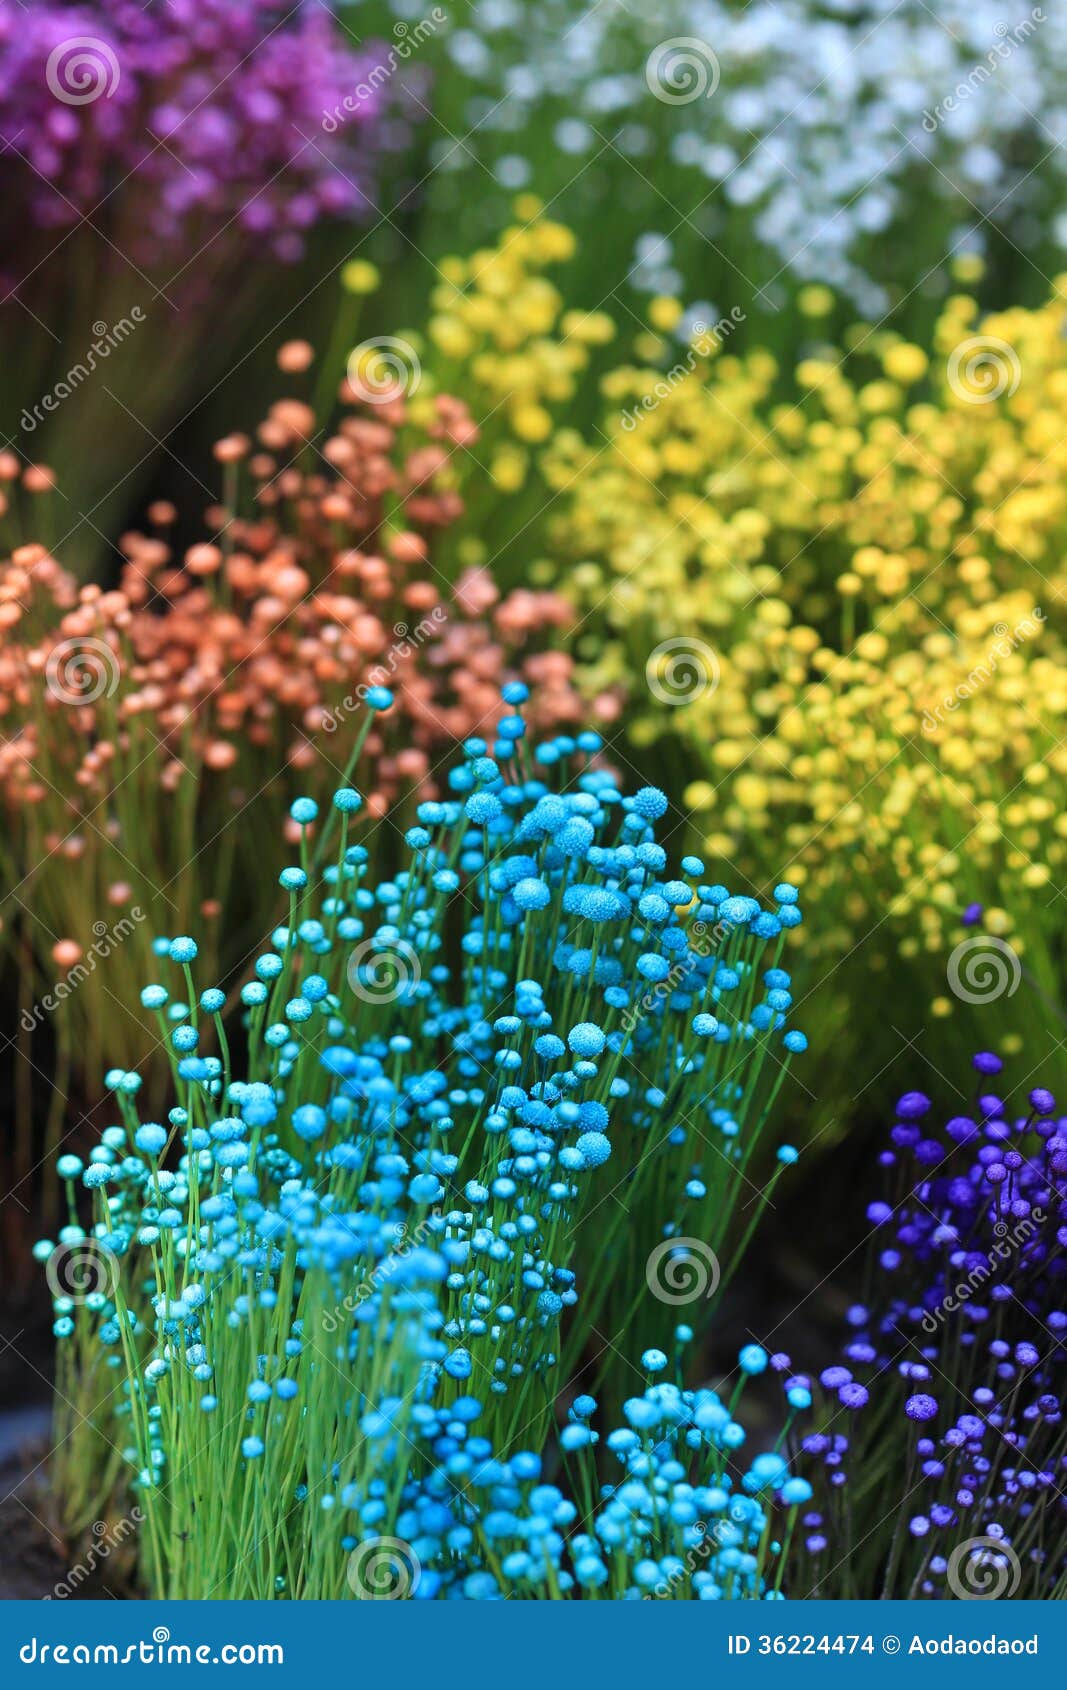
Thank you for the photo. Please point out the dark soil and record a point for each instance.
(35, 1562)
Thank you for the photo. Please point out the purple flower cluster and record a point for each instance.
(954, 1369)
(200, 114)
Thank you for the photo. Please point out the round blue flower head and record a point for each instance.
(531, 894)
(738, 910)
(183, 950)
(515, 692)
(309, 1122)
(650, 803)
(347, 800)
(150, 1137)
(292, 879)
(379, 698)
(594, 1148)
(654, 1361)
(482, 808)
(586, 1039)
(549, 1047)
(154, 997)
(304, 811)
(785, 893)
(795, 1492)
(212, 1000)
(753, 1359)
(69, 1167)
(795, 1041)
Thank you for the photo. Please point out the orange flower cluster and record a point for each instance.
(137, 723)
(258, 642)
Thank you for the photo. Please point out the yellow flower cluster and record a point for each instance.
(849, 578)
(833, 593)
(500, 334)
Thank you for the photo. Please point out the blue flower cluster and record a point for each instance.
(685, 1519)
(445, 1071)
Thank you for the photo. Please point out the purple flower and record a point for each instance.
(920, 1407)
(198, 117)
(913, 1105)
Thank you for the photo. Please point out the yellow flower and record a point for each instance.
(360, 277)
(905, 363)
(664, 313)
